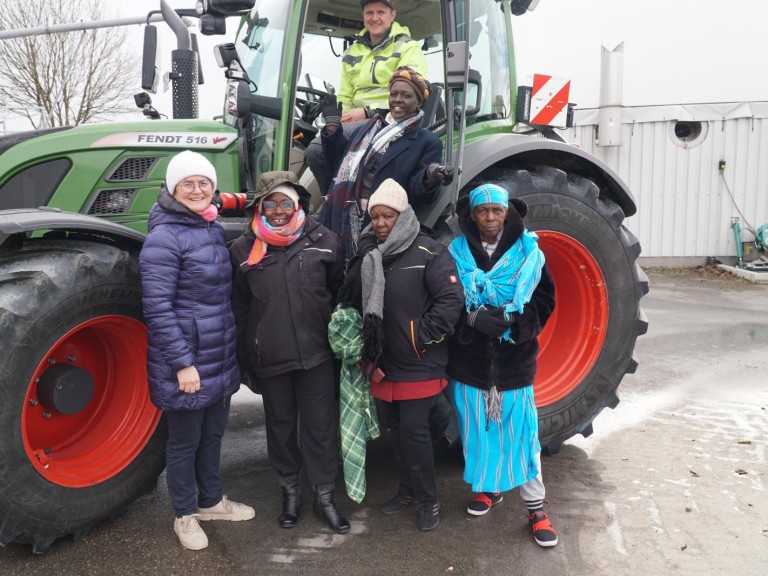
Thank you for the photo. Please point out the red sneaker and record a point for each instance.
(483, 502)
(543, 532)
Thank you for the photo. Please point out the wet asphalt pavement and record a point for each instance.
(673, 481)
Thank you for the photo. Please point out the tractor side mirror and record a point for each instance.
(238, 98)
(211, 25)
(230, 7)
(475, 91)
(456, 64)
(150, 60)
(520, 7)
(241, 102)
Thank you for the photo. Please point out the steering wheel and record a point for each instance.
(310, 107)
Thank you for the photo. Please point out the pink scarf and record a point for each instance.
(267, 235)
(210, 214)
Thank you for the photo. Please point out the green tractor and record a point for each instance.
(79, 437)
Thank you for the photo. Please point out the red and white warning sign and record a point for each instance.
(549, 100)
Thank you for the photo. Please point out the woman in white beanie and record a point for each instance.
(192, 367)
(406, 286)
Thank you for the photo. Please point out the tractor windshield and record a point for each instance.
(260, 45)
(261, 48)
(489, 55)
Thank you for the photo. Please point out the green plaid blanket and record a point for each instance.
(359, 422)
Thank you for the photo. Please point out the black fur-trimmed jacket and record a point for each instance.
(482, 361)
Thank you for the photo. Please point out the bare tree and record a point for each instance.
(65, 78)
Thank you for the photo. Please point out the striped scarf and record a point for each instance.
(341, 210)
(375, 142)
(267, 235)
(511, 281)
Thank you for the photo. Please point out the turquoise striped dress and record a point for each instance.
(498, 456)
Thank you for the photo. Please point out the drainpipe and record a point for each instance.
(737, 237)
(611, 85)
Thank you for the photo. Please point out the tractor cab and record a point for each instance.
(287, 55)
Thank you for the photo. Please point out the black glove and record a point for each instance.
(438, 174)
(217, 201)
(330, 108)
(489, 321)
(250, 380)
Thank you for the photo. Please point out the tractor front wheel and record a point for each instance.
(79, 436)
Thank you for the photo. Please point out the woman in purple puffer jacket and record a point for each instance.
(186, 278)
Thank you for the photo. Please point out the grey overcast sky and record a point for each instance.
(675, 51)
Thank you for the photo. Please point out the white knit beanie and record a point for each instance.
(186, 164)
(389, 193)
(283, 189)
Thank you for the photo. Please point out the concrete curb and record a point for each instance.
(754, 277)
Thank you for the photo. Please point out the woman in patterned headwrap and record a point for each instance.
(392, 146)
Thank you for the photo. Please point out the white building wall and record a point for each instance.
(683, 200)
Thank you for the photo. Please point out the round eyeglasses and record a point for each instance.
(272, 204)
(189, 185)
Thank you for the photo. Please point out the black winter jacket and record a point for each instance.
(481, 361)
(283, 304)
(423, 300)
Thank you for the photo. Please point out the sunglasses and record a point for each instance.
(272, 204)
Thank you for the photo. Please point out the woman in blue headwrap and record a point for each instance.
(509, 295)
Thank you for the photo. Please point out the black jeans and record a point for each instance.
(408, 422)
(192, 457)
(302, 422)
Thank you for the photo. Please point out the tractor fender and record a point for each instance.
(23, 221)
(520, 151)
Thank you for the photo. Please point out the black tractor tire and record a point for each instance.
(588, 344)
(79, 437)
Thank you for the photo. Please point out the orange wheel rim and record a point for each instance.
(580, 318)
(106, 435)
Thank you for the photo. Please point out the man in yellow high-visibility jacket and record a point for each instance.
(367, 65)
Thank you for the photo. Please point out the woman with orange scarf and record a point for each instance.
(288, 268)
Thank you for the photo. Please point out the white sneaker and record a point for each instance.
(227, 510)
(190, 534)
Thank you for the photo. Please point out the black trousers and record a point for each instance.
(408, 422)
(302, 422)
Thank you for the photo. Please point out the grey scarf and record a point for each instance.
(403, 234)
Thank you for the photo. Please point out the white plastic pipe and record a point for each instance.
(611, 94)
